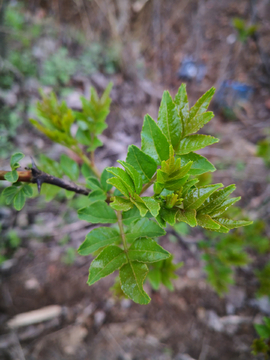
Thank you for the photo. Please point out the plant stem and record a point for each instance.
(88, 162)
(24, 176)
(146, 186)
(120, 224)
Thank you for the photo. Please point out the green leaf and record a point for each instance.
(147, 251)
(151, 204)
(154, 142)
(200, 164)
(19, 200)
(103, 179)
(187, 216)
(109, 260)
(12, 176)
(194, 142)
(14, 161)
(98, 212)
(169, 120)
(93, 183)
(132, 276)
(215, 200)
(263, 331)
(69, 167)
(138, 202)
(97, 195)
(143, 163)
(50, 166)
(206, 222)
(169, 215)
(189, 184)
(9, 194)
(124, 177)
(232, 224)
(134, 174)
(118, 184)
(121, 204)
(154, 277)
(197, 116)
(224, 206)
(181, 102)
(131, 215)
(196, 197)
(99, 238)
(27, 190)
(143, 228)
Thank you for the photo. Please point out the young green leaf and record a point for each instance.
(169, 120)
(194, 142)
(138, 202)
(232, 224)
(121, 204)
(187, 216)
(181, 102)
(9, 194)
(215, 200)
(27, 190)
(188, 185)
(119, 185)
(14, 161)
(98, 238)
(151, 204)
(109, 260)
(124, 177)
(147, 251)
(206, 222)
(19, 199)
(12, 176)
(131, 215)
(132, 276)
(143, 228)
(200, 164)
(103, 179)
(169, 215)
(98, 212)
(93, 183)
(154, 277)
(134, 174)
(154, 142)
(223, 207)
(143, 163)
(69, 167)
(196, 197)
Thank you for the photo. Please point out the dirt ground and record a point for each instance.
(192, 322)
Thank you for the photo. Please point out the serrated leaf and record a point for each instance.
(131, 215)
(119, 185)
(195, 198)
(206, 222)
(134, 174)
(103, 180)
(137, 201)
(200, 164)
(97, 195)
(143, 163)
(232, 224)
(216, 199)
(98, 212)
(12, 176)
(124, 177)
(224, 206)
(19, 200)
(169, 120)
(187, 216)
(151, 204)
(169, 215)
(194, 142)
(98, 238)
(109, 260)
(93, 183)
(154, 142)
(161, 221)
(69, 167)
(14, 161)
(9, 194)
(181, 102)
(197, 116)
(143, 228)
(189, 184)
(132, 276)
(147, 251)
(121, 204)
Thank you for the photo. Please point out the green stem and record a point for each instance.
(87, 161)
(120, 224)
(146, 186)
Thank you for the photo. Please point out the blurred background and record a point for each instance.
(143, 47)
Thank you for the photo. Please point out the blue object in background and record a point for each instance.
(191, 69)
